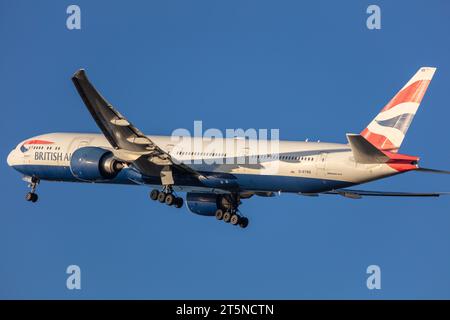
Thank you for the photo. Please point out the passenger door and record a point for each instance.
(321, 164)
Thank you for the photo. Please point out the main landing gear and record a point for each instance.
(32, 195)
(166, 196)
(232, 217)
(229, 212)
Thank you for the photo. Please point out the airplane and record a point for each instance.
(122, 154)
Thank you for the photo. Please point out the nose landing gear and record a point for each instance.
(32, 195)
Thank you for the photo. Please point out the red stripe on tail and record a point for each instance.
(378, 140)
(412, 93)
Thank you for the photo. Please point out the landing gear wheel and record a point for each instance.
(170, 199)
(31, 196)
(178, 203)
(219, 214)
(154, 194)
(227, 217)
(32, 184)
(234, 220)
(162, 197)
(243, 222)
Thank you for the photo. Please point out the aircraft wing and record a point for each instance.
(357, 194)
(120, 133)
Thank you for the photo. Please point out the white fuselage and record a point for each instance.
(288, 166)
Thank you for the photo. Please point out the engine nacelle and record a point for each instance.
(94, 164)
(204, 204)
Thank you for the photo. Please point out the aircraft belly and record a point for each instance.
(287, 183)
(254, 182)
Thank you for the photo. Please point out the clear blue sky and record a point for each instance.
(310, 68)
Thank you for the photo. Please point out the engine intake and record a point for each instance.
(94, 164)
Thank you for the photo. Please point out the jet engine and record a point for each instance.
(206, 204)
(94, 164)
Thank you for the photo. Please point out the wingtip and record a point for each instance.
(80, 73)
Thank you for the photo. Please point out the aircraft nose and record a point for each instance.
(10, 159)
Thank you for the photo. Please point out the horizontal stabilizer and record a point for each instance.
(364, 151)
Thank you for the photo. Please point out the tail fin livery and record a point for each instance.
(388, 129)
